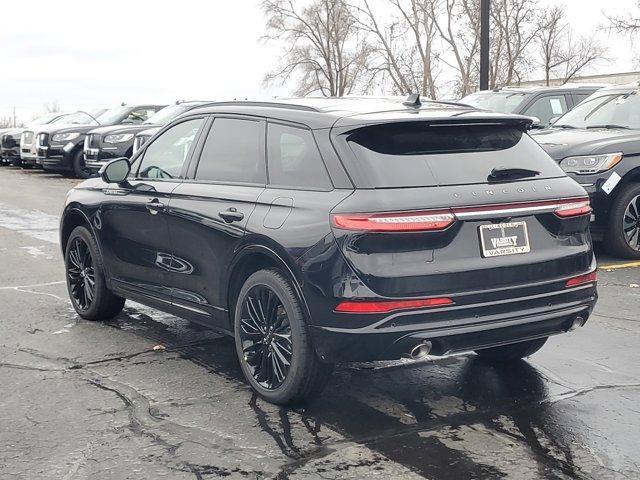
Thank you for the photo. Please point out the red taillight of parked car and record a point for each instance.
(386, 306)
(582, 279)
(573, 208)
(395, 222)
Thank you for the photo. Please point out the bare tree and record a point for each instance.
(513, 31)
(458, 25)
(52, 107)
(626, 24)
(322, 46)
(562, 55)
(401, 44)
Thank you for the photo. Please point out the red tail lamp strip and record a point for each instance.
(582, 279)
(436, 220)
(395, 222)
(386, 306)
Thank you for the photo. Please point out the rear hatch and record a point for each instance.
(457, 206)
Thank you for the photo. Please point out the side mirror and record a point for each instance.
(116, 171)
(536, 123)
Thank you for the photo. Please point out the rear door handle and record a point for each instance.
(155, 206)
(231, 215)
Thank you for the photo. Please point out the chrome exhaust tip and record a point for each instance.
(577, 323)
(421, 350)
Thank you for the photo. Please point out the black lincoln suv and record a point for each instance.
(598, 145)
(63, 149)
(106, 143)
(318, 231)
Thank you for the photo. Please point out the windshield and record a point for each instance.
(607, 111)
(48, 118)
(78, 118)
(166, 115)
(113, 115)
(501, 102)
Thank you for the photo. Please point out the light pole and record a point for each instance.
(484, 44)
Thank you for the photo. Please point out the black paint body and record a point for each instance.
(164, 244)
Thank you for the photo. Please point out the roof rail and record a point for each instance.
(250, 103)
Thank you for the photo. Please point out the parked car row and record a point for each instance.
(80, 142)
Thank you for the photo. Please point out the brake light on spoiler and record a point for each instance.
(436, 220)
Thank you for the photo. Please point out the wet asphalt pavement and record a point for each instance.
(83, 400)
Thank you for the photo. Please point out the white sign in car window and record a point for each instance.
(556, 106)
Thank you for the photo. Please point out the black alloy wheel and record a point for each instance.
(622, 236)
(265, 336)
(86, 283)
(80, 169)
(631, 223)
(273, 342)
(81, 273)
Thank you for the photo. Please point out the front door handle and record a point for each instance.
(231, 215)
(155, 206)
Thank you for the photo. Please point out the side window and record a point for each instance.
(546, 108)
(233, 152)
(578, 97)
(165, 157)
(293, 158)
(139, 115)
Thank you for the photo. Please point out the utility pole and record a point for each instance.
(484, 44)
(14, 117)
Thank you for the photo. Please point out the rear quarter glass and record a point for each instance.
(421, 154)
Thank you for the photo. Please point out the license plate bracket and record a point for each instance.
(500, 239)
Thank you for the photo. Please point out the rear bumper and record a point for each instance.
(460, 327)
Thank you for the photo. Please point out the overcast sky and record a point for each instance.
(83, 54)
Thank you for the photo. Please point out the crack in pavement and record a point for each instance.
(142, 420)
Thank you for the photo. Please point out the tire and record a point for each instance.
(624, 214)
(514, 351)
(83, 265)
(79, 169)
(260, 350)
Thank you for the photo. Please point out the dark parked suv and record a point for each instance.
(598, 144)
(63, 149)
(543, 103)
(106, 143)
(324, 230)
(10, 139)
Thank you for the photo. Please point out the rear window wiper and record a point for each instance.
(506, 173)
(609, 125)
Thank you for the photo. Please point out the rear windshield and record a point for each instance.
(414, 154)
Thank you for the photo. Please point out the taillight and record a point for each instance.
(573, 208)
(386, 306)
(395, 222)
(582, 279)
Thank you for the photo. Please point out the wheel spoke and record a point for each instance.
(253, 313)
(281, 357)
